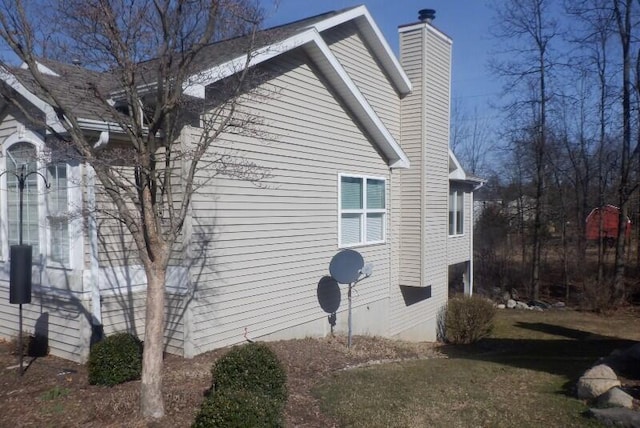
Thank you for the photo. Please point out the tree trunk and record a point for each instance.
(151, 402)
(624, 28)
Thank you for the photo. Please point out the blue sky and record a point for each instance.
(467, 22)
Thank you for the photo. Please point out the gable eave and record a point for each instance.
(375, 39)
(313, 43)
(47, 110)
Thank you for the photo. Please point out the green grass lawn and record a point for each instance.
(523, 376)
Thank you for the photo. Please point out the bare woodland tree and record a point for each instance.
(139, 59)
(470, 140)
(593, 37)
(527, 28)
(623, 10)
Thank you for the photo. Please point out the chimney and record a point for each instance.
(426, 15)
(425, 55)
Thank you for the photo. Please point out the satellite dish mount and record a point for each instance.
(348, 267)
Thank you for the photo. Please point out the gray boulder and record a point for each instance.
(596, 381)
(522, 305)
(618, 417)
(615, 397)
(511, 303)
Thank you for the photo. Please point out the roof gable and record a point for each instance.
(225, 58)
(310, 39)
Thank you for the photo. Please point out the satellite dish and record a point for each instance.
(345, 266)
(367, 269)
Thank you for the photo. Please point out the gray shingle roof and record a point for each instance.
(77, 87)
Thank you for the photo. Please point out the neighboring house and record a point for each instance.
(359, 159)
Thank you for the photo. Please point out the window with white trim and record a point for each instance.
(21, 157)
(363, 210)
(45, 218)
(57, 213)
(456, 212)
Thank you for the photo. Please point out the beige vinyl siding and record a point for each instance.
(437, 78)
(425, 56)
(126, 313)
(264, 249)
(349, 47)
(63, 316)
(459, 247)
(411, 189)
(115, 243)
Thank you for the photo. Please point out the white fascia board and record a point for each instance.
(458, 173)
(335, 73)
(196, 84)
(341, 81)
(45, 108)
(376, 41)
(41, 68)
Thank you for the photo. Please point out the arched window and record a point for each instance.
(21, 157)
(45, 215)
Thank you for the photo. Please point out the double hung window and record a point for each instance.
(57, 213)
(362, 210)
(456, 212)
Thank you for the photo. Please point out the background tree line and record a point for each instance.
(567, 142)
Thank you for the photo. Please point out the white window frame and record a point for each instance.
(363, 211)
(74, 199)
(453, 199)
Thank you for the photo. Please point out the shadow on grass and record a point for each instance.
(568, 355)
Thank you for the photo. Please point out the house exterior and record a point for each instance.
(359, 158)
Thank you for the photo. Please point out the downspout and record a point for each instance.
(473, 221)
(94, 261)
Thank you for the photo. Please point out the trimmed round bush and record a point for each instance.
(468, 319)
(116, 359)
(239, 408)
(254, 368)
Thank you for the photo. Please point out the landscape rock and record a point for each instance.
(615, 397)
(618, 417)
(596, 381)
(501, 306)
(559, 305)
(514, 294)
(511, 303)
(539, 304)
(522, 305)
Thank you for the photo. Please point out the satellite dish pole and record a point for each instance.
(347, 267)
(18, 251)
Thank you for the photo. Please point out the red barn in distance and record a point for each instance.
(610, 215)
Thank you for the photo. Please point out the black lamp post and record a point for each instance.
(20, 267)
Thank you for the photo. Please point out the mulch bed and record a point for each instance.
(55, 392)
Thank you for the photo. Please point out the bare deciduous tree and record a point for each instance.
(527, 28)
(143, 61)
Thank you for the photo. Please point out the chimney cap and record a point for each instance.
(426, 15)
(76, 61)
